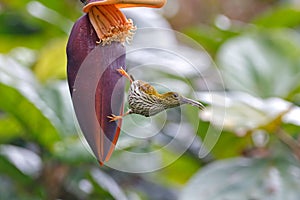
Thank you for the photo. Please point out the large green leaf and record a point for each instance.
(32, 23)
(56, 95)
(68, 8)
(51, 63)
(169, 174)
(15, 184)
(6, 167)
(210, 38)
(72, 150)
(28, 115)
(246, 113)
(264, 64)
(18, 169)
(20, 99)
(245, 179)
(9, 128)
(286, 16)
(106, 186)
(230, 145)
(19, 29)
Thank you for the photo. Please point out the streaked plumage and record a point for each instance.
(143, 99)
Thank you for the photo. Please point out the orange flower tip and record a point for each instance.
(111, 25)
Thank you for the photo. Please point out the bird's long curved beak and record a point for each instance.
(192, 102)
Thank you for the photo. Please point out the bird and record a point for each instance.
(143, 99)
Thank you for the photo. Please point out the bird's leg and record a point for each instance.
(124, 73)
(113, 117)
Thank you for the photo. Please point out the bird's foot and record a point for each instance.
(113, 117)
(124, 73)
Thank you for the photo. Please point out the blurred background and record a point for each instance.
(244, 146)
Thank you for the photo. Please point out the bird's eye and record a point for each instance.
(175, 95)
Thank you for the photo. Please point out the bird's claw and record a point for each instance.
(124, 73)
(113, 117)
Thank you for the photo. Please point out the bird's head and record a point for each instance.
(173, 99)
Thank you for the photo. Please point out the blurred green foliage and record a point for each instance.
(256, 156)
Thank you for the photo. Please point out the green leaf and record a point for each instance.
(210, 38)
(22, 25)
(33, 23)
(230, 145)
(57, 97)
(169, 174)
(65, 8)
(10, 170)
(263, 64)
(279, 17)
(17, 185)
(106, 186)
(51, 63)
(246, 113)
(244, 179)
(9, 128)
(32, 120)
(21, 100)
(73, 151)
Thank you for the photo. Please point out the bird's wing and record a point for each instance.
(148, 89)
(157, 108)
